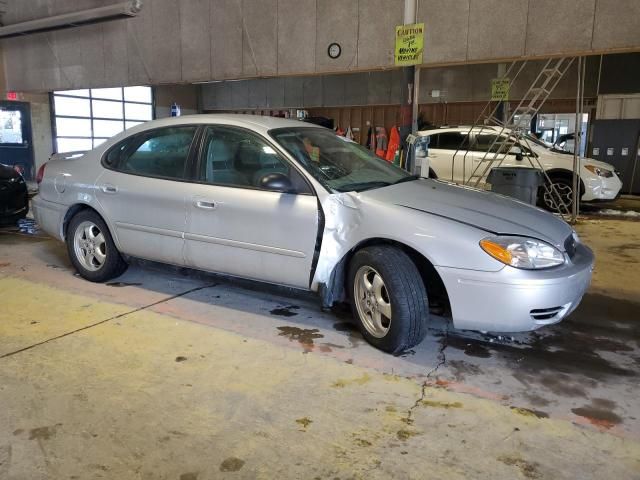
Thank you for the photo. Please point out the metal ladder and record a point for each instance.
(510, 133)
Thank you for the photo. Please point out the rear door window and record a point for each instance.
(451, 141)
(487, 142)
(162, 153)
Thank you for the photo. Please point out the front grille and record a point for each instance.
(570, 246)
(545, 313)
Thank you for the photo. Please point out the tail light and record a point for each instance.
(40, 174)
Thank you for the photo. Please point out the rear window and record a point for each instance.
(157, 153)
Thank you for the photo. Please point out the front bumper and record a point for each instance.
(513, 300)
(600, 188)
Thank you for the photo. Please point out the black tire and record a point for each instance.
(113, 265)
(406, 294)
(564, 184)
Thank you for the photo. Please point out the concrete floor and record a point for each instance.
(163, 375)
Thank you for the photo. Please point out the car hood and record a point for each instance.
(485, 210)
(568, 159)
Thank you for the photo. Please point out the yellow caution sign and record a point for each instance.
(500, 89)
(409, 44)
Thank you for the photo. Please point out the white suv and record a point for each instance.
(599, 180)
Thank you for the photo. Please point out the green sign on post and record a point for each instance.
(409, 44)
(500, 89)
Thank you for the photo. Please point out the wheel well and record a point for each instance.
(433, 282)
(72, 212)
(566, 174)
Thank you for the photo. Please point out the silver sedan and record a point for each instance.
(293, 204)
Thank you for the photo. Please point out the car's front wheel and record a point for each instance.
(557, 196)
(91, 248)
(388, 298)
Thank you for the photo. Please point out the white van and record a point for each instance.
(599, 180)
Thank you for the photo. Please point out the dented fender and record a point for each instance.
(343, 217)
(352, 218)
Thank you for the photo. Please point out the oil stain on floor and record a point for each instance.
(304, 336)
(599, 413)
(527, 469)
(231, 464)
(285, 311)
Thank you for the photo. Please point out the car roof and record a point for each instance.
(478, 128)
(256, 121)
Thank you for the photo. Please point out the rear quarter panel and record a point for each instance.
(71, 182)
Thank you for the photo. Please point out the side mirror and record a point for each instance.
(517, 151)
(276, 182)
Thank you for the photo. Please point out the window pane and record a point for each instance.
(234, 157)
(484, 141)
(112, 93)
(138, 94)
(74, 93)
(73, 144)
(129, 124)
(113, 157)
(106, 109)
(452, 140)
(136, 111)
(73, 127)
(162, 153)
(107, 128)
(73, 107)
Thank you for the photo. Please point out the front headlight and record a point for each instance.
(601, 172)
(522, 252)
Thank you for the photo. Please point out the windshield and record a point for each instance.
(338, 163)
(537, 141)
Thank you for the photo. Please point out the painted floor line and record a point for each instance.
(115, 317)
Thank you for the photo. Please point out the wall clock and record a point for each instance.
(334, 50)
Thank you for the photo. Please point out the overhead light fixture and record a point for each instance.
(73, 19)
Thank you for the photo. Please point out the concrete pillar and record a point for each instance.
(409, 88)
(502, 113)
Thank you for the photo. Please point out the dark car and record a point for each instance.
(14, 199)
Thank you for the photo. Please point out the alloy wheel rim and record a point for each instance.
(561, 200)
(90, 246)
(372, 301)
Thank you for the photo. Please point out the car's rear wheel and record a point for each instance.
(388, 298)
(91, 248)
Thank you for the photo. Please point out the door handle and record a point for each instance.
(204, 204)
(108, 188)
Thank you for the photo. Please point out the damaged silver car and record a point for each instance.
(293, 204)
